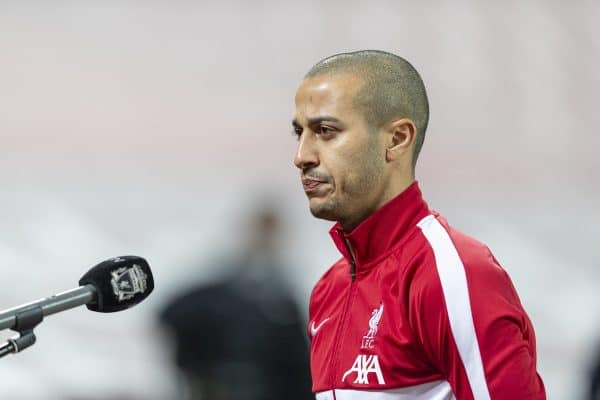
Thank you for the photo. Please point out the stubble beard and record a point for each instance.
(351, 204)
(326, 209)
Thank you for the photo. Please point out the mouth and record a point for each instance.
(311, 186)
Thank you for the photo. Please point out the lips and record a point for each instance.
(311, 185)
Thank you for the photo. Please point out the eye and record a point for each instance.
(297, 132)
(326, 131)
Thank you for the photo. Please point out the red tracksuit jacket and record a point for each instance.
(416, 310)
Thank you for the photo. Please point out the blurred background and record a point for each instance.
(158, 128)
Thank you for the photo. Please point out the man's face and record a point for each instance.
(341, 160)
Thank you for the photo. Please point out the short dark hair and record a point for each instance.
(393, 88)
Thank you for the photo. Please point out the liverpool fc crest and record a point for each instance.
(369, 339)
(127, 282)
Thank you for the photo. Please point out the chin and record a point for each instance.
(323, 210)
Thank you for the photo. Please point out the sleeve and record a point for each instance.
(471, 324)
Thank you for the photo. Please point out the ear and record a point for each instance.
(401, 135)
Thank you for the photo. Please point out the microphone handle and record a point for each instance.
(51, 305)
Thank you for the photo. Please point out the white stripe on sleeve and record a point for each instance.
(456, 294)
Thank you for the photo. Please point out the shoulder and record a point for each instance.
(452, 260)
(449, 247)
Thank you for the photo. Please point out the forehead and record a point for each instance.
(327, 94)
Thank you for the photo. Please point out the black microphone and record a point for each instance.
(113, 285)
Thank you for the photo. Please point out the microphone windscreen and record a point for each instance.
(120, 282)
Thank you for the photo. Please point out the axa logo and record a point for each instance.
(363, 366)
(368, 340)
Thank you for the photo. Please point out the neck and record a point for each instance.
(392, 190)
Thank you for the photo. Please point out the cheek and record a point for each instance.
(346, 171)
(352, 163)
(363, 171)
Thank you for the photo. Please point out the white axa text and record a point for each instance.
(363, 366)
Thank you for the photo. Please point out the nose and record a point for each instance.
(306, 154)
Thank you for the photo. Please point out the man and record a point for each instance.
(414, 309)
(241, 337)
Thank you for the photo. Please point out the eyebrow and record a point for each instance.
(317, 120)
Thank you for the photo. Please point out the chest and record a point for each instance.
(361, 337)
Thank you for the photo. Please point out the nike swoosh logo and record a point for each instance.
(313, 330)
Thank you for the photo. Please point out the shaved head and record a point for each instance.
(392, 89)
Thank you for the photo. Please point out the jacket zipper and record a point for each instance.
(334, 357)
(352, 259)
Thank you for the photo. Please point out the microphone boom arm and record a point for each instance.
(51, 305)
(23, 319)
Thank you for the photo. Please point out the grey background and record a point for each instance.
(152, 128)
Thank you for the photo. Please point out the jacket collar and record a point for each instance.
(383, 229)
